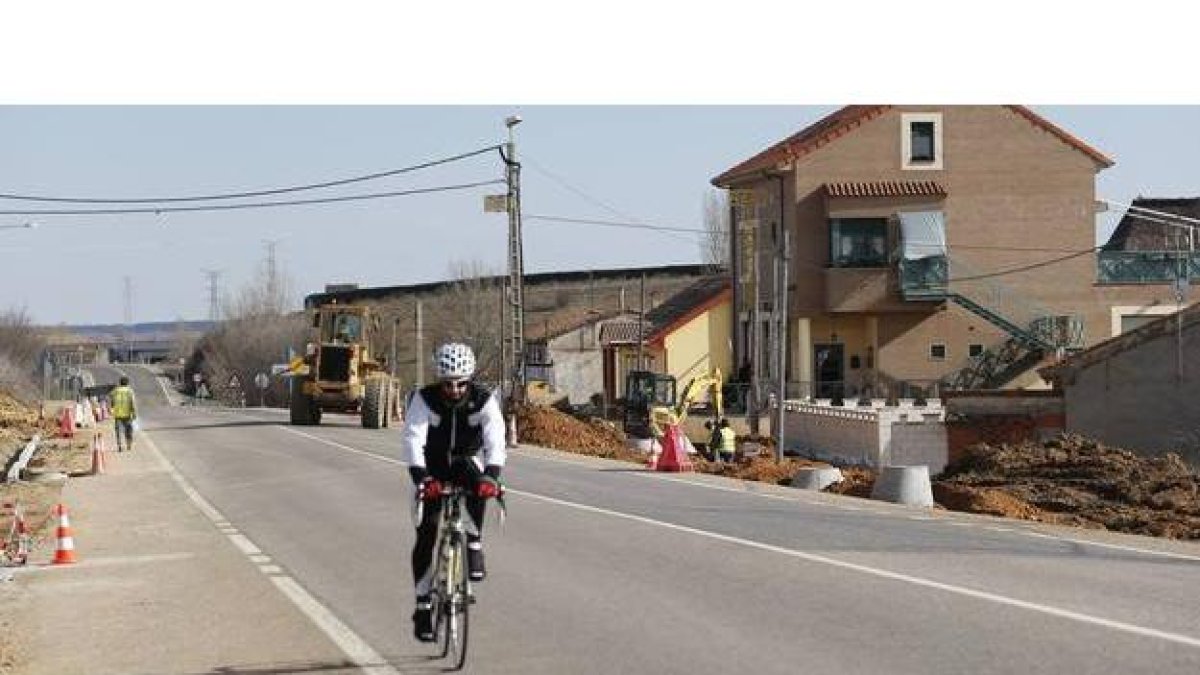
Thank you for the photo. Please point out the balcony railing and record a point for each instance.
(1146, 267)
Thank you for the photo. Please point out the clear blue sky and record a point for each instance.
(90, 69)
(642, 163)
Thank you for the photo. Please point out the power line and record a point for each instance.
(1025, 268)
(256, 193)
(254, 205)
(611, 223)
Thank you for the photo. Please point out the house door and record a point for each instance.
(828, 366)
(609, 366)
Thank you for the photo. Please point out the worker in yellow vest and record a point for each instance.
(124, 412)
(728, 440)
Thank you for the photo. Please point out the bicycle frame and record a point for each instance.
(451, 593)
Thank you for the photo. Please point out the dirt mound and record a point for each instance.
(551, 428)
(856, 482)
(761, 468)
(18, 421)
(1077, 481)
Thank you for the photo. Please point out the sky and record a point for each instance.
(603, 137)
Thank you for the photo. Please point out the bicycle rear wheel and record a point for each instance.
(457, 607)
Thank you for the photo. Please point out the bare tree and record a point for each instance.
(468, 311)
(257, 333)
(20, 346)
(714, 248)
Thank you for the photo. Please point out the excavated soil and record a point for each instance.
(1070, 480)
(1076, 481)
(551, 428)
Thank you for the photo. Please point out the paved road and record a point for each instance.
(603, 568)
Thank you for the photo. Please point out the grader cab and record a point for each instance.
(339, 372)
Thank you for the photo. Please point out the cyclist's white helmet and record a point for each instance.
(454, 361)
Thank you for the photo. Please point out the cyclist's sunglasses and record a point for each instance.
(453, 385)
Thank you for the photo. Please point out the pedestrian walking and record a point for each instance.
(124, 412)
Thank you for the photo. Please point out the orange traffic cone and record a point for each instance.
(66, 422)
(64, 554)
(97, 455)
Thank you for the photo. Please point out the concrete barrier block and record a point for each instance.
(816, 478)
(904, 485)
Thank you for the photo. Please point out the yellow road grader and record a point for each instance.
(338, 371)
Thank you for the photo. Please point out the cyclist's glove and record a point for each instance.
(488, 488)
(430, 489)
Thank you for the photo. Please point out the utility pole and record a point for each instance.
(516, 274)
(128, 318)
(500, 377)
(392, 356)
(641, 323)
(782, 332)
(274, 302)
(214, 296)
(420, 347)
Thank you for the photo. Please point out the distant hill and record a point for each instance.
(136, 330)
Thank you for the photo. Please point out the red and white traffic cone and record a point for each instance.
(97, 454)
(66, 422)
(64, 553)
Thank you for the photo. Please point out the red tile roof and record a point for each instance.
(845, 120)
(886, 188)
(621, 331)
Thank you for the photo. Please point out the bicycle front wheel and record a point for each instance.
(457, 607)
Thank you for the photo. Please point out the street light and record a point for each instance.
(23, 226)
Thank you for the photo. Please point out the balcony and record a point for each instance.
(925, 278)
(1146, 267)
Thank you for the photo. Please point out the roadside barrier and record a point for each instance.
(20, 538)
(14, 550)
(903, 485)
(64, 553)
(97, 454)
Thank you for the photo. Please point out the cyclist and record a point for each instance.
(453, 433)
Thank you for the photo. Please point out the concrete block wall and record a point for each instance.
(870, 436)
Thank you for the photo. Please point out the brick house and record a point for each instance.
(936, 246)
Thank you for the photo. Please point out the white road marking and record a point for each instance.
(895, 576)
(354, 647)
(359, 651)
(347, 448)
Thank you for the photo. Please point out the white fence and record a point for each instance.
(875, 435)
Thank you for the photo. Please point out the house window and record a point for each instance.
(858, 242)
(921, 141)
(974, 350)
(937, 351)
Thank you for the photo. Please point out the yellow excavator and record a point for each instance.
(651, 403)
